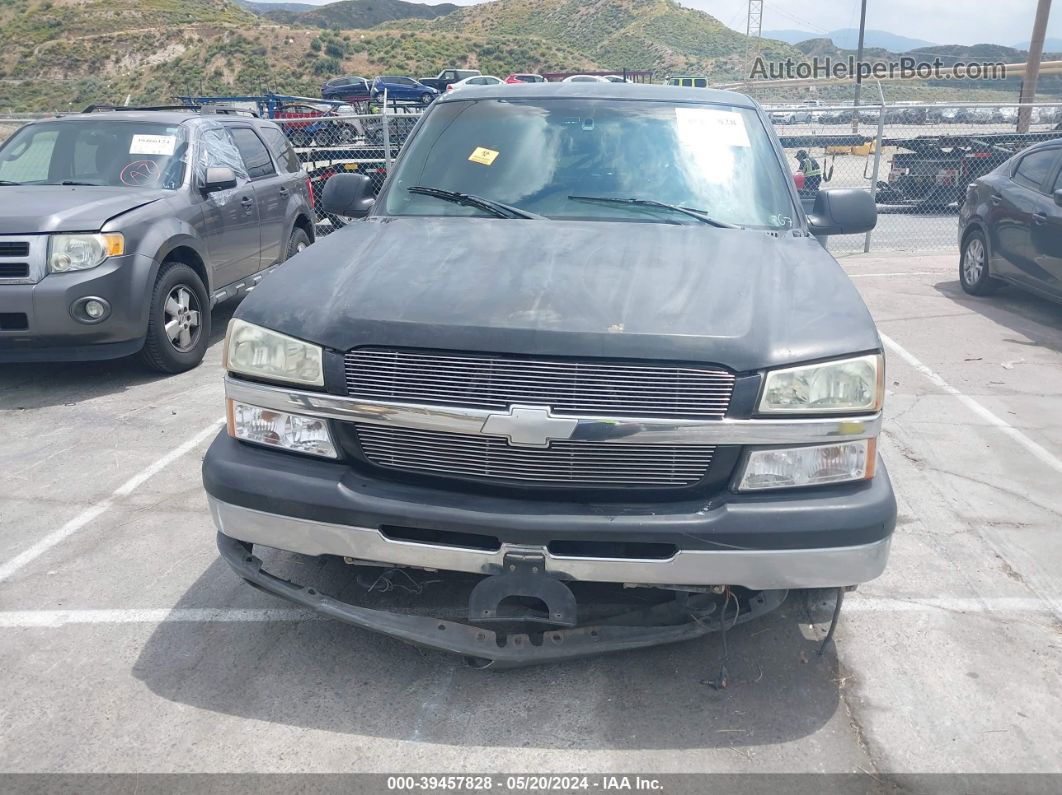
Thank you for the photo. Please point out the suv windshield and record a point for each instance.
(536, 153)
(129, 154)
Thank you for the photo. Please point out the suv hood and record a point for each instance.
(65, 208)
(742, 299)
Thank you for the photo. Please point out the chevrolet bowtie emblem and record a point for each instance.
(529, 426)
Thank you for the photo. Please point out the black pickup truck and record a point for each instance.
(545, 368)
(448, 77)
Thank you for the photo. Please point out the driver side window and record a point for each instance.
(216, 148)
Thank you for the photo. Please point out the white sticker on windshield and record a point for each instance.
(723, 127)
(152, 144)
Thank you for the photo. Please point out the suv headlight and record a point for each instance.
(261, 353)
(845, 386)
(82, 252)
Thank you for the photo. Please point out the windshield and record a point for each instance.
(536, 153)
(129, 154)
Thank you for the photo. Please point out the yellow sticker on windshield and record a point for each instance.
(483, 155)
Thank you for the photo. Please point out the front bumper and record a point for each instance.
(47, 331)
(823, 537)
(482, 647)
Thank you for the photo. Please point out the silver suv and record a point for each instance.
(120, 230)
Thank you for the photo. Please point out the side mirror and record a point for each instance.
(219, 178)
(842, 211)
(1058, 197)
(348, 194)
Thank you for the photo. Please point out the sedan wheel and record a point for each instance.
(974, 275)
(973, 262)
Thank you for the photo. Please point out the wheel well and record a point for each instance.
(970, 230)
(303, 223)
(190, 257)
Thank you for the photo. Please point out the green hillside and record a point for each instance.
(633, 34)
(348, 14)
(65, 54)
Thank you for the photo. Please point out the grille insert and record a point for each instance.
(14, 270)
(568, 387)
(14, 248)
(563, 462)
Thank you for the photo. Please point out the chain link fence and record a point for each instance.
(916, 159)
(332, 143)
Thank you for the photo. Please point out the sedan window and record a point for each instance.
(1033, 168)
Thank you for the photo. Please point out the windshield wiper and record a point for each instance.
(75, 182)
(700, 215)
(469, 200)
(8, 182)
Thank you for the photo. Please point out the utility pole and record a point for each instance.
(1032, 65)
(753, 30)
(859, 64)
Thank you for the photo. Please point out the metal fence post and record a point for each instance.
(877, 165)
(386, 134)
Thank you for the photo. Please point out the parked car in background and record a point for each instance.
(584, 79)
(1010, 225)
(478, 80)
(790, 116)
(522, 77)
(305, 124)
(120, 230)
(403, 89)
(688, 81)
(530, 360)
(447, 77)
(348, 89)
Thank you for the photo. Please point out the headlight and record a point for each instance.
(786, 468)
(846, 385)
(279, 429)
(81, 252)
(261, 353)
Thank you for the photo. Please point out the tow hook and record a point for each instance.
(524, 575)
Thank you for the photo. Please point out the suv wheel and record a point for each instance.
(973, 267)
(178, 320)
(298, 241)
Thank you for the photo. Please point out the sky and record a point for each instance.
(939, 21)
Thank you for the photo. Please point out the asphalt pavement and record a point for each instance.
(127, 646)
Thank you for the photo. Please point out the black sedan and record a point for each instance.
(1010, 225)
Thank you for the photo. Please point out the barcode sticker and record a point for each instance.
(721, 127)
(153, 144)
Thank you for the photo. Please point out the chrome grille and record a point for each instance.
(567, 387)
(563, 462)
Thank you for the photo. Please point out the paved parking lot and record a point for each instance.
(126, 646)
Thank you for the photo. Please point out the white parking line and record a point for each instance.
(1042, 453)
(855, 604)
(90, 513)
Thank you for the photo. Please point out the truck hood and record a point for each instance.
(29, 209)
(742, 299)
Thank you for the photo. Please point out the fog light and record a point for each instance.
(90, 310)
(271, 428)
(792, 467)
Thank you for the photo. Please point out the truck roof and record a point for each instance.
(601, 91)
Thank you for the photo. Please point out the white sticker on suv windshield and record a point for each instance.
(723, 127)
(152, 144)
